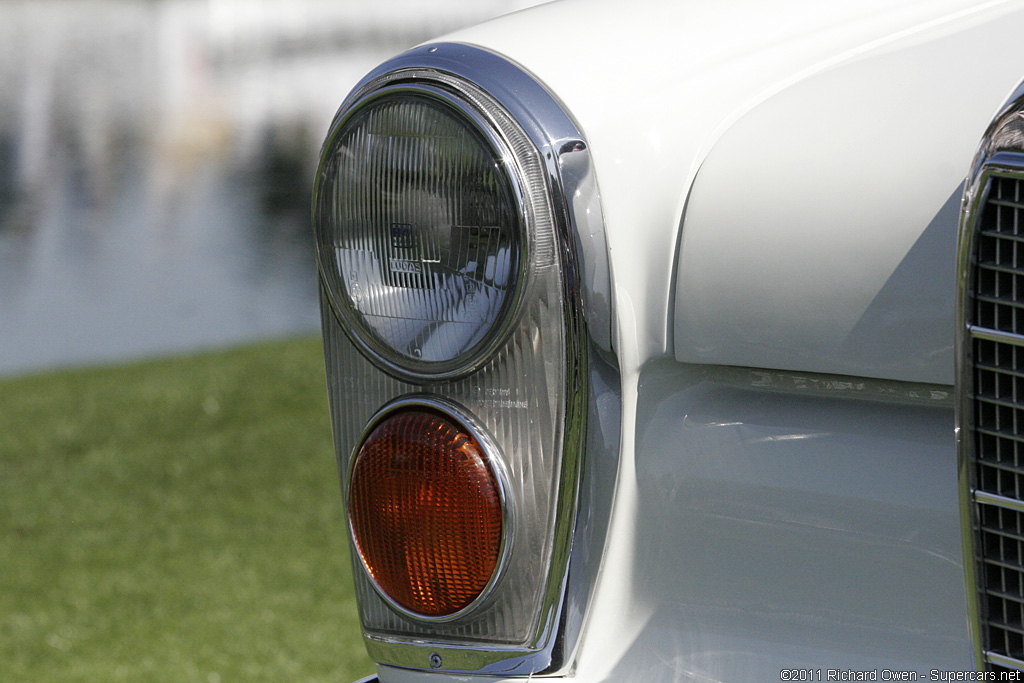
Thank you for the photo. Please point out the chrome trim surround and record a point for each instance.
(520, 165)
(590, 434)
(1001, 153)
(466, 420)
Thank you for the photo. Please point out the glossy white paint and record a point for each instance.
(821, 229)
(655, 89)
(792, 521)
(768, 521)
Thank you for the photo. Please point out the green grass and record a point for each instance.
(176, 520)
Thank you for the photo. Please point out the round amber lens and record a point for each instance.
(426, 512)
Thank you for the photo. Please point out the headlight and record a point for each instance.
(462, 260)
(422, 238)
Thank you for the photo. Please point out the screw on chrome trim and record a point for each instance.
(435, 660)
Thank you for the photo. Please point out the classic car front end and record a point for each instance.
(639, 326)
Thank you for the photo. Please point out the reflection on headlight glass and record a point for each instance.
(424, 228)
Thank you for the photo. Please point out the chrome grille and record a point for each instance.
(999, 284)
(995, 318)
(1003, 552)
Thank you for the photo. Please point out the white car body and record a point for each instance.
(781, 187)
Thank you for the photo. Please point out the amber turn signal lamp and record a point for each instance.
(426, 512)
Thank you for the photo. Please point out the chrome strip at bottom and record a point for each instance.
(1003, 660)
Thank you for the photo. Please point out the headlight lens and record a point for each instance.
(420, 234)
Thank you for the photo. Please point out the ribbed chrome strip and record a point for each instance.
(1001, 660)
(996, 335)
(999, 501)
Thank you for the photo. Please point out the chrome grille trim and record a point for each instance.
(1016, 204)
(1007, 662)
(1001, 235)
(995, 348)
(997, 336)
(983, 498)
(990, 390)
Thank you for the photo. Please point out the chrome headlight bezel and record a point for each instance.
(535, 393)
(519, 165)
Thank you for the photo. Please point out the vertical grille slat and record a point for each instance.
(995, 315)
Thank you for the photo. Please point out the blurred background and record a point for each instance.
(169, 502)
(156, 159)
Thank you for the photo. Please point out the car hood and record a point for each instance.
(780, 181)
